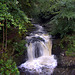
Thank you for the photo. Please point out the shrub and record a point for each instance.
(7, 66)
(69, 45)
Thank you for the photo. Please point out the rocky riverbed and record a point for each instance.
(66, 64)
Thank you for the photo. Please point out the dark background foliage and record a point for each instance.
(57, 16)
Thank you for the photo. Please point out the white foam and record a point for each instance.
(38, 63)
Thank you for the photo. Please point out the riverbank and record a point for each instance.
(66, 64)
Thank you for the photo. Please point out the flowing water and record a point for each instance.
(40, 60)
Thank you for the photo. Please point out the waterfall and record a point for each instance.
(40, 58)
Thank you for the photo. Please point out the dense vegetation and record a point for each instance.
(14, 24)
(60, 14)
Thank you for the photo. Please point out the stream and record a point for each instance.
(39, 50)
(41, 58)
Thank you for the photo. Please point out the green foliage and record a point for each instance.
(15, 19)
(10, 11)
(7, 66)
(64, 24)
(64, 20)
(68, 43)
(28, 6)
(64, 15)
(61, 14)
(4, 14)
(19, 47)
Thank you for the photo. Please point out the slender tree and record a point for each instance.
(6, 36)
(3, 37)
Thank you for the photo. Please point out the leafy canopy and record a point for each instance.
(10, 11)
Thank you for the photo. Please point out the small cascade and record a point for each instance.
(40, 59)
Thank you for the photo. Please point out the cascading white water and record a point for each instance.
(40, 59)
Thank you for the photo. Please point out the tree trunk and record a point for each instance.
(3, 38)
(6, 36)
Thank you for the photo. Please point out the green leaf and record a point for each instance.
(1, 24)
(1, 61)
(0, 28)
(7, 72)
(1, 18)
